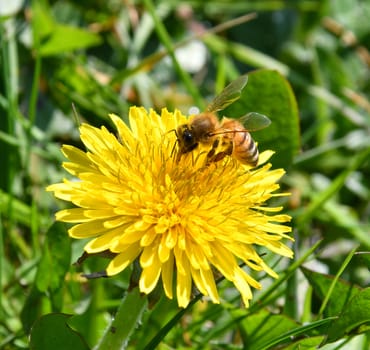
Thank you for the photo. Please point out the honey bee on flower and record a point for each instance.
(231, 135)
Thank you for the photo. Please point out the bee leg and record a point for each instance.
(211, 154)
(180, 152)
(227, 152)
(214, 156)
(229, 149)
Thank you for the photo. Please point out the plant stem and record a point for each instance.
(128, 315)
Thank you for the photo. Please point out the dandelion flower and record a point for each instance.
(184, 220)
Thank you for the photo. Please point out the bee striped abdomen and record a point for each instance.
(245, 149)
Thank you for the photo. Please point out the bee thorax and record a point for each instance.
(202, 125)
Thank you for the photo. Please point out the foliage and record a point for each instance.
(101, 57)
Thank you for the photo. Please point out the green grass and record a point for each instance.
(103, 57)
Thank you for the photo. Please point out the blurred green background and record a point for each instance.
(102, 57)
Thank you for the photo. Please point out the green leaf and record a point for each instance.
(65, 38)
(306, 344)
(56, 259)
(46, 293)
(260, 328)
(55, 38)
(355, 318)
(32, 308)
(341, 293)
(269, 93)
(42, 20)
(304, 330)
(52, 332)
(265, 330)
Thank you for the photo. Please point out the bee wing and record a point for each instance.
(254, 121)
(228, 95)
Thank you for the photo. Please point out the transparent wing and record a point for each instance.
(228, 95)
(254, 121)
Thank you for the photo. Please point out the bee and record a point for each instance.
(228, 137)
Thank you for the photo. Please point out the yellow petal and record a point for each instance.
(102, 243)
(122, 260)
(87, 229)
(167, 276)
(183, 285)
(210, 285)
(149, 255)
(150, 275)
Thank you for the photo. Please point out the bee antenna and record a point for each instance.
(176, 142)
(174, 146)
(173, 130)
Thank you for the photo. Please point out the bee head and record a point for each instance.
(186, 138)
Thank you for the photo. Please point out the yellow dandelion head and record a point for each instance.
(183, 219)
